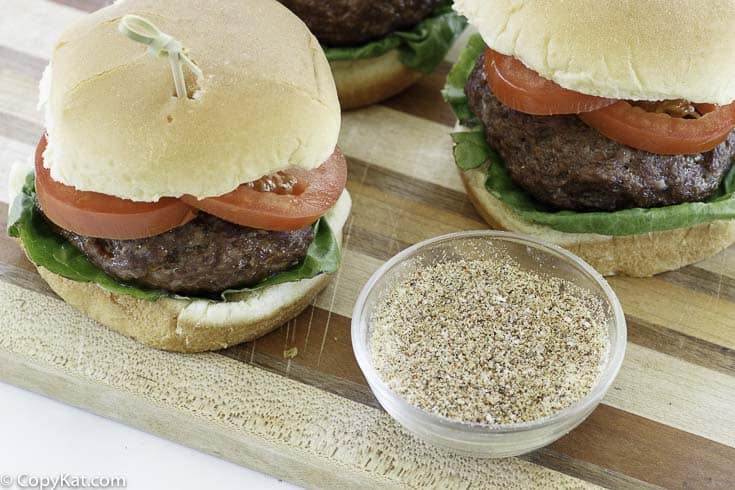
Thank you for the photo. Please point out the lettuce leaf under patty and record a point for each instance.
(53, 252)
(471, 151)
(421, 49)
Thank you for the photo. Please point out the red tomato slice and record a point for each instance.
(523, 90)
(661, 133)
(316, 192)
(102, 216)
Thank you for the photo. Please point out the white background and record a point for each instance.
(43, 437)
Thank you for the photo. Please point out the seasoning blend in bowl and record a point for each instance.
(488, 343)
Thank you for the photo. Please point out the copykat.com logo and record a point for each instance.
(56, 482)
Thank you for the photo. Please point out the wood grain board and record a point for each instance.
(668, 421)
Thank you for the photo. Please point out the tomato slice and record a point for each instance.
(316, 192)
(523, 90)
(662, 133)
(102, 216)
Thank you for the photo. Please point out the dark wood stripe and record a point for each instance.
(86, 5)
(649, 451)
(323, 344)
(412, 189)
(19, 129)
(703, 281)
(19, 62)
(22, 278)
(424, 99)
(360, 393)
(583, 470)
(681, 346)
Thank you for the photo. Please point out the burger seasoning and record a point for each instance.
(484, 341)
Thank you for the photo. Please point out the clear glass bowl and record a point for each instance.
(472, 438)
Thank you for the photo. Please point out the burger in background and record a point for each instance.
(190, 221)
(606, 128)
(377, 48)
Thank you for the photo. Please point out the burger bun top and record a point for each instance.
(266, 101)
(626, 49)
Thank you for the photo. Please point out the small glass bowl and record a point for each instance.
(472, 438)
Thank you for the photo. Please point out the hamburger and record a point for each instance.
(377, 48)
(190, 222)
(603, 127)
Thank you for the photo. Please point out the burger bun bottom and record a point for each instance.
(639, 255)
(368, 81)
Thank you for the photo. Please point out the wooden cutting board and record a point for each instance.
(669, 420)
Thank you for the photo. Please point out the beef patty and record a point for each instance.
(352, 22)
(564, 163)
(203, 257)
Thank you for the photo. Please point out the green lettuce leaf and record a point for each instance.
(472, 151)
(421, 49)
(51, 251)
(624, 222)
(457, 78)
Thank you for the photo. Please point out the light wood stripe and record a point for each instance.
(22, 63)
(390, 183)
(19, 96)
(86, 5)
(414, 147)
(21, 130)
(676, 393)
(35, 25)
(677, 308)
(340, 295)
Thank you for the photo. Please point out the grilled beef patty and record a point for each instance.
(354, 22)
(566, 164)
(203, 257)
